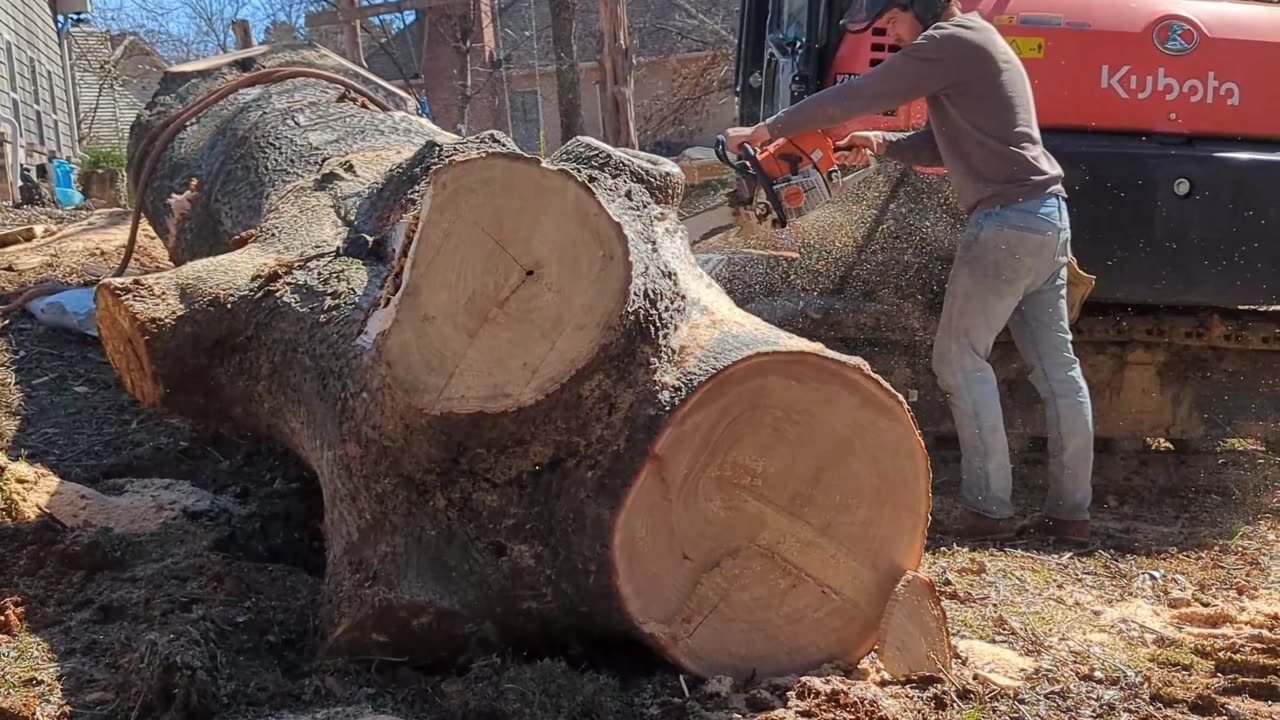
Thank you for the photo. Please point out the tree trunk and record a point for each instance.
(617, 71)
(535, 420)
(351, 41)
(568, 81)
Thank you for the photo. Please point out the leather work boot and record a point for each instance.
(975, 526)
(1072, 531)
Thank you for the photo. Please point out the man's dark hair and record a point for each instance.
(862, 14)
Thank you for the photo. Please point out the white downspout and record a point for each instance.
(73, 95)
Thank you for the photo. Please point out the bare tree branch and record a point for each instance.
(704, 21)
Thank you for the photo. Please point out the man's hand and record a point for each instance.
(853, 149)
(735, 136)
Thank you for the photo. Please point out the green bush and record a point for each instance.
(101, 158)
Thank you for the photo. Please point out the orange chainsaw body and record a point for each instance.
(785, 180)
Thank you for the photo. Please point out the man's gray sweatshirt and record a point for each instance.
(982, 117)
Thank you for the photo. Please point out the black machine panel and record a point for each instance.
(1173, 221)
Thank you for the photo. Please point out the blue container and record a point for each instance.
(64, 185)
(64, 174)
(69, 198)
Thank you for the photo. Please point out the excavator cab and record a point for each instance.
(791, 49)
(782, 53)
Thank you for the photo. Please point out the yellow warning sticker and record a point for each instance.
(1006, 19)
(1027, 47)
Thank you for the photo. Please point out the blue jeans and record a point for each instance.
(1011, 269)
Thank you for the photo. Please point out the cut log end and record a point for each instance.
(515, 275)
(914, 637)
(125, 345)
(762, 535)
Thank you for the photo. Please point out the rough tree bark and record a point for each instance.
(535, 420)
(568, 81)
(617, 68)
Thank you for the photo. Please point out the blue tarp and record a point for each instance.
(64, 185)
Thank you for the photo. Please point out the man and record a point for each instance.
(1011, 262)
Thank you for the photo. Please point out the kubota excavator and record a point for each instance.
(1165, 115)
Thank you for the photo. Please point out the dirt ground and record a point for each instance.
(1174, 612)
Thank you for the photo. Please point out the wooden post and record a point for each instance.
(243, 32)
(617, 65)
(458, 51)
(351, 32)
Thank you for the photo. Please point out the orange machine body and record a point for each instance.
(1177, 67)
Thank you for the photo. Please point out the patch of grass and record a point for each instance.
(10, 396)
(1179, 658)
(1247, 666)
(103, 158)
(29, 683)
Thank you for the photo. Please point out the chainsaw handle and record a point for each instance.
(872, 161)
(742, 167)
(722, 150)
(858, 175)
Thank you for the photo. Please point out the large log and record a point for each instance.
(535, 420)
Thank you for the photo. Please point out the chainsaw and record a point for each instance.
(777, 185)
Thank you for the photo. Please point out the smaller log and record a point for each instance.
(213, 62)
(914, 638)
(23, 234)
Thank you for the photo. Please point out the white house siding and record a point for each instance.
(107, 108)
(41, 100)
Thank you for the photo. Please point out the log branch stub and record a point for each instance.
(496, 309)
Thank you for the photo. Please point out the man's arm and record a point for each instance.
(918, 70)
(913, 148)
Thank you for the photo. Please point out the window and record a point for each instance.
(40, 137)
(35, 80)
(53, 95)
(11, 64)
(15, 106)
(53, 110)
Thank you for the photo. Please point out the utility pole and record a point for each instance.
(243, 32)
(351, 33)
(617, 70)
(568, 80)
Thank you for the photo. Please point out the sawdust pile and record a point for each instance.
(81, 252)
(876, 259)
